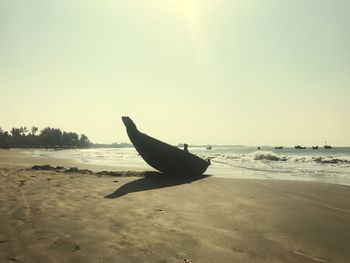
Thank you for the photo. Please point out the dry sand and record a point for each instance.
(64, 217)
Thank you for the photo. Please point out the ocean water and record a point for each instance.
(327, 166)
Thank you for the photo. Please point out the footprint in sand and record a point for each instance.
(12, 257)
(21, 182)
(66, 245)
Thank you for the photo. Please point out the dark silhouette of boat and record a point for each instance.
(209, 147)
(279, 147)
(299, 147)
(315, 147)
(162, 156)
(327, 146)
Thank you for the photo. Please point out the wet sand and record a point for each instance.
(49, 216)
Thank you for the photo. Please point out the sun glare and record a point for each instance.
(190, 11)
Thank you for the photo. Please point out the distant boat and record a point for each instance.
(299, 147)
(327, 146)
(162, 156)
(209, 147)
(315, 147)
(279, 147)
(258, 147)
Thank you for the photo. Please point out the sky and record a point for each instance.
(251, 72)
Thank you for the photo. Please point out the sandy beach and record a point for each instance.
(49, 216)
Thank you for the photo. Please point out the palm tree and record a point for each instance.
(34, 130)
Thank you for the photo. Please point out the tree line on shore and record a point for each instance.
(46, 138)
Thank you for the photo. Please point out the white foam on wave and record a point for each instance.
(274, 157)
(321, 159)
(268, 156)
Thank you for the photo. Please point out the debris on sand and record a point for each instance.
(76, 170)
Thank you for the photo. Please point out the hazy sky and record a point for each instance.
(252, 72)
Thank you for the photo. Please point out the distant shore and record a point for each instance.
(49, 216)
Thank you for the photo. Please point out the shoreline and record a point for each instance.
(324, 169)
(74, 217)
(16, 157)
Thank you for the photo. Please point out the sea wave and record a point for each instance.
(333, 160)
(268, 156)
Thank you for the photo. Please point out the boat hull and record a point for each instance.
(162, 156)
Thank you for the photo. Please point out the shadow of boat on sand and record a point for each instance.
(153, 180)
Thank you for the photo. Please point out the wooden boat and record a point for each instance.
(315, 147)
(209, 147)
(326, 146)
(279, 147)
(162, 156)
(299, 147)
